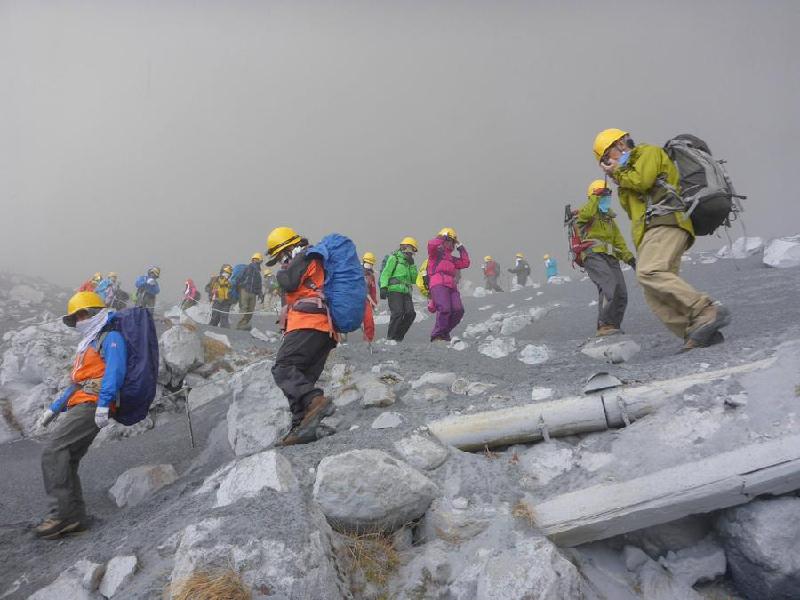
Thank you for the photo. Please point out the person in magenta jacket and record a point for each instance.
(443, 270)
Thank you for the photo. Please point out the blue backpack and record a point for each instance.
(236, 280)
(345, 288)
(141, 343)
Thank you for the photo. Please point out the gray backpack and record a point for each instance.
(707, 192)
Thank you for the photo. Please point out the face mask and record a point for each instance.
(83, 327)
(605, 204)
(623, 158)
(224, 275)
(368, 266)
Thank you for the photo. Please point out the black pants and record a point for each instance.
(219, 313)
(298, 365)
(491, 283)
(606, 274)
(402, 309)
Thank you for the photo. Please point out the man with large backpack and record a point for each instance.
(603, 249)
(309, 335)
(147, 288)
(491, 272)
(662, 231)
(397, 278)
(250, 290)
(521, 269)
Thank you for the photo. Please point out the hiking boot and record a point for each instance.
(319, 408)
(714, 317)
(690, 344)
(606, 330)
(299, 435)
(52, 528)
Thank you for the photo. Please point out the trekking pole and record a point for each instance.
(188, 413)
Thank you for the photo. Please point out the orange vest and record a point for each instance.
(89, 365)
(310, 287)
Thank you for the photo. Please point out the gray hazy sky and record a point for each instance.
(180, 133)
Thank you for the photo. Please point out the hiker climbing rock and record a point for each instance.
(308, 333)
(220, 290)
(251, 289)
(662, 231)
(605, 248)
(443, 270)
(521, 269)
(398, 276)
(368, 261)
(491, 271)
(147, 288)
(97, 375)
(191, 295)
(550, 267)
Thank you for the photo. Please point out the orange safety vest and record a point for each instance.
(308, 293)
(87, 366)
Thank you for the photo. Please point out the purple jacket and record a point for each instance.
(442, 265)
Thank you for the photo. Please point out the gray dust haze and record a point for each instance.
(180, 133)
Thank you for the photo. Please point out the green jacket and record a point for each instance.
(637, 180)
(602, 228)
(399, 274)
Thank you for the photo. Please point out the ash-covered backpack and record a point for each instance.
(706, 189)
(141, 344)
(344, 287)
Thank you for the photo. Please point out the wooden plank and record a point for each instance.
(723, 480)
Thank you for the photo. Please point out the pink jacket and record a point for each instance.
(442, 265)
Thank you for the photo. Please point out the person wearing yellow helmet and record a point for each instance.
(251, 290)
(308, 335)
(97, 374)
(521, 269)
(604, 249)
(147, 288)
(397, 278)
(270, 286)
(221, 298)
(491, 272)
(368, 261)
(647, 183)
(443, 274)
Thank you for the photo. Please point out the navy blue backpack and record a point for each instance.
(345, 287)
(236, 281)
(141, 343)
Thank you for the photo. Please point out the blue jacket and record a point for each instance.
(142, 285)
(115, 355)
(552, 267)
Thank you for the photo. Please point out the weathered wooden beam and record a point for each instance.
(570, 415)
(702, 486)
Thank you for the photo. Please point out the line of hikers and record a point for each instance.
(328, 291)
(109, 289)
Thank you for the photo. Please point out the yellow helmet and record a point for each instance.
(155, 271)
(487, 258)
(546, 256)
(448, 232)
(604, 140)
(410, 241)
(281, 238)
(597, 184)
(81, 301)
(520, 255)
(267, 272)
(257, 256)
(112, 274)
(226, 269)
(97, 277)
(368, 258)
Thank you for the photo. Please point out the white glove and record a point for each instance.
(47, 416)
(151, 281)
(101, 416)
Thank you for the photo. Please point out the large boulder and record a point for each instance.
(741, 248)
(368, 490)
(138, 483)
(421, 451)
(783, 253)
(259, 415)
(78, 582)
(760, 541)
(182, 350)
(119, 571)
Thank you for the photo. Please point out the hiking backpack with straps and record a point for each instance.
(575, 236)
(236, 281)
(141, 344)
(345, 287)
(706, 190)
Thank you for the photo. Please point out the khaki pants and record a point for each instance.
(658, 263)
(247, 304)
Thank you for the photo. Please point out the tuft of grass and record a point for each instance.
(213, 349)
(523, 510)
(223, 584)
(489, 454)
(372, 555)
